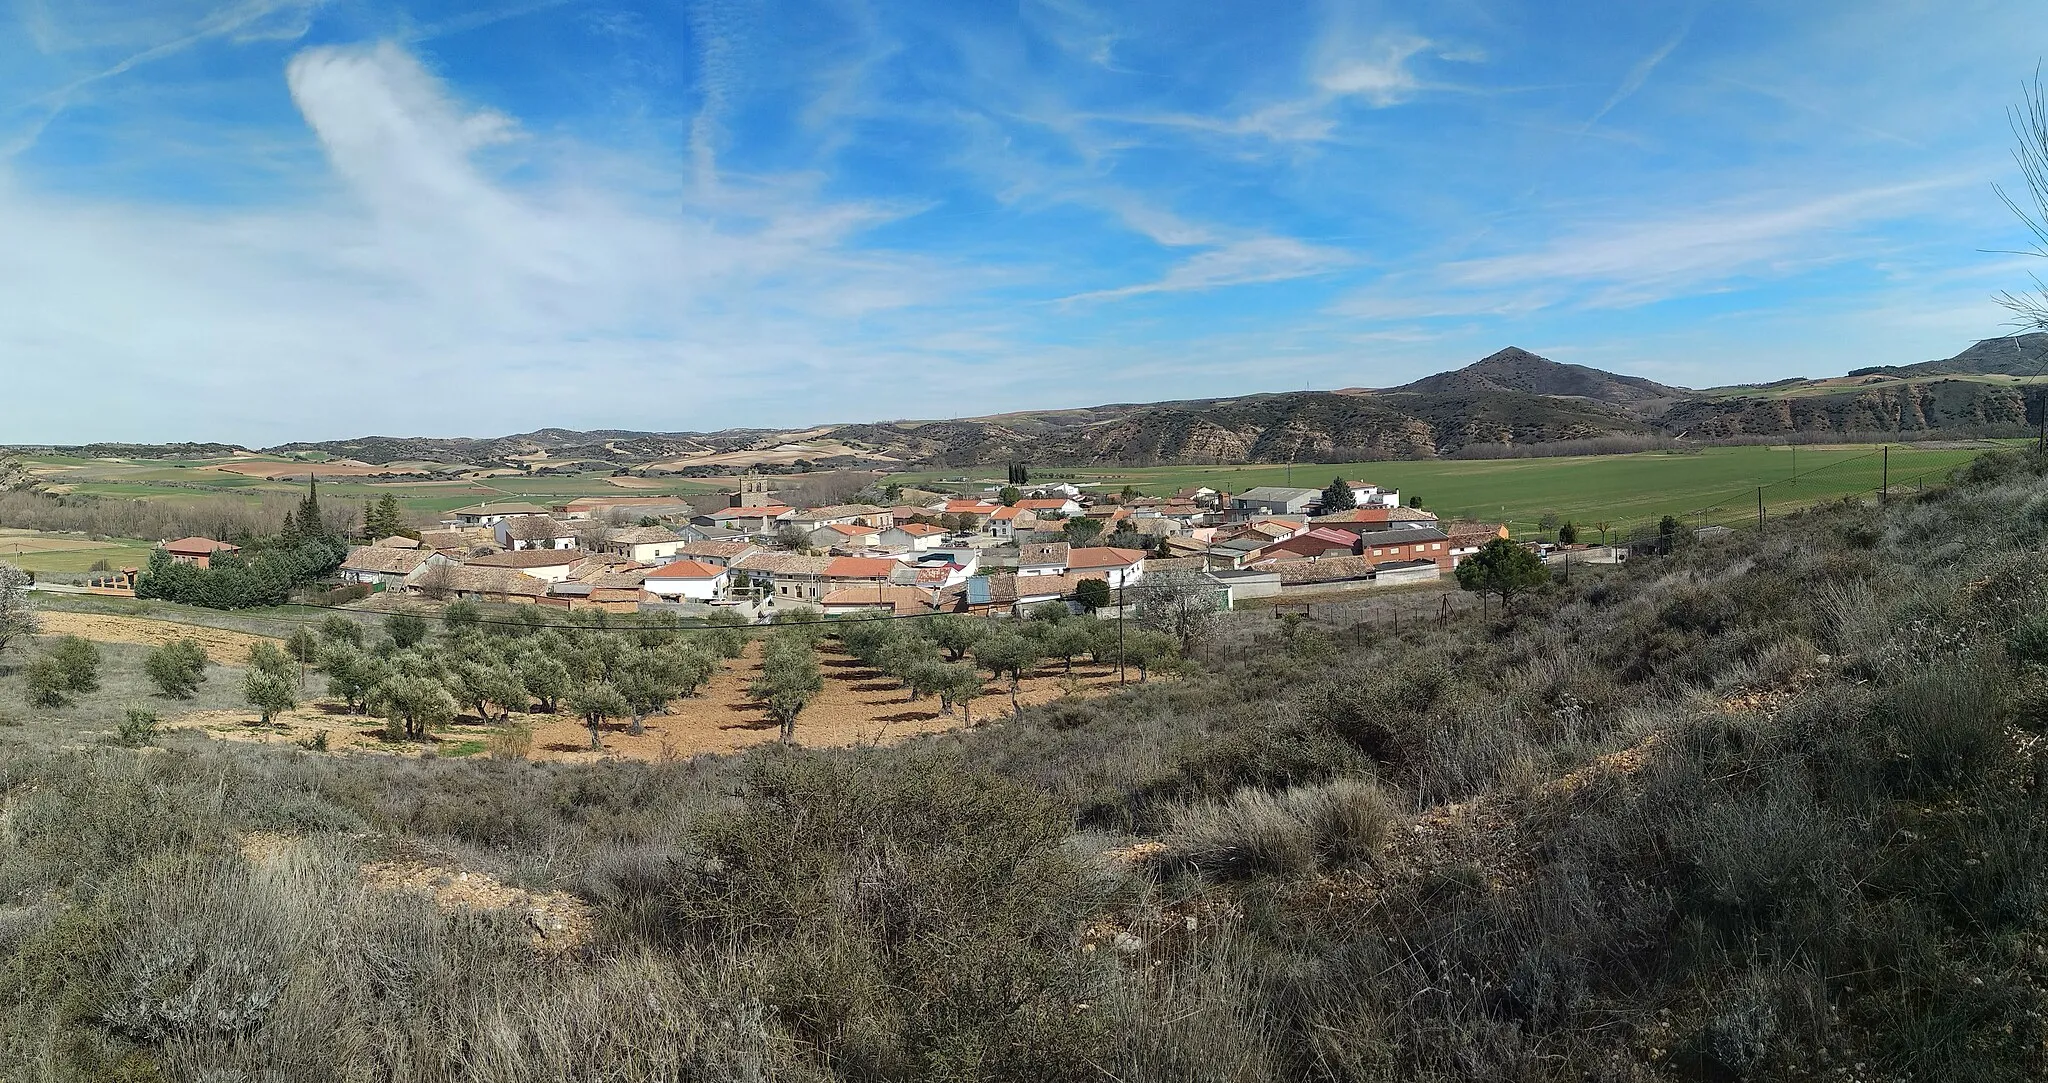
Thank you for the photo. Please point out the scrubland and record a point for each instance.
(1770, 807)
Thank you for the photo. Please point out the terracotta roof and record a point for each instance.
(1326, 570)
(530, 558)
(976, 507)
(1041, 553)
(462, 538)
(1176, 564)
(1376, 515)
(1102, 556)
(842, 511)
(771, 511)
(725, 550)
(783, 564)
(895, 599)
(643, 535)
(920, 530)
(851, 530)
(860, 568)
(536, 526)
(199, 547)
(582, 503)
(1007, 514)
(495, 581)
(1043, 504)
(397, 541)
(686, 569)
(383, 561)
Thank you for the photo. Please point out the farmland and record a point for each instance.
(48, 551)
(1618, 489)
(254, 477)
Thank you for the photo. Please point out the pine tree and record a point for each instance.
(309, 523)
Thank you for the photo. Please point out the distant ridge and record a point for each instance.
(1506, 402)
(1516, 369)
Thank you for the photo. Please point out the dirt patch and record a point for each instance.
(555, 920)
(223, 647)
(858, 706)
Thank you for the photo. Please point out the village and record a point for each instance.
(1002, 552)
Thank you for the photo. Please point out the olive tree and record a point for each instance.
(17, 620)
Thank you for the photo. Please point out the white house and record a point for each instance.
(548, 565)
(532, 532)
(1120, 567)
(644, 544)
(1042, 558)
(1061, 506)
(845, 536)
(1367, 495)
(688, 580)
(1006, 522)
(490, 514)
(916, 537)
(389, 567)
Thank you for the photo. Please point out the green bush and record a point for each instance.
(177, 668)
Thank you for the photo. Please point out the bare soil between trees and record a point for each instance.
(223, 647)
(858, 706)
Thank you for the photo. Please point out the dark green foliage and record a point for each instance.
(1092, 594)
(177, 668)
(1502, 568)
(1338, 496)
(138, 727)
(76, 661)
(406, 629)
(262, 574)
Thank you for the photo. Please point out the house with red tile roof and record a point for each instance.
(1312, 544)
(843, 570)
(197, 551)
(1119, 567)
(901, 601)
(916, 537)
(846, 536)
(688, 580)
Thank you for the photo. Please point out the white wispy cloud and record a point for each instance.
(1238, 263)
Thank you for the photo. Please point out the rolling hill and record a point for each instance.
(1512, 398)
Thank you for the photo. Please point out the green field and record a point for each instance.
(1621, 490)
(176, 479)
(39, 551)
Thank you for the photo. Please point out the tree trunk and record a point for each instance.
(1015, 709)
(788, 730)
(635, 729)
(596, 736)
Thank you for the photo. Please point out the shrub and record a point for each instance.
(78, 663)
(406, 629)
(138, 726)
(43, 683)
(270, 693)
(1284, 832)
(177, 668)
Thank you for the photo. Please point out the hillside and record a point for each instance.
(1517, 370)
(1510, 399)
(1766, 807)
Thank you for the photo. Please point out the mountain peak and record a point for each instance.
(1516, 369)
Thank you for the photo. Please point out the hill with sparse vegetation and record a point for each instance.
(1765, 806)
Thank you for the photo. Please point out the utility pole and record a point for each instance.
(1120, 615)
(1759, 509)
(1884, 488)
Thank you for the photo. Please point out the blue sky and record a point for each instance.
(264, 220)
